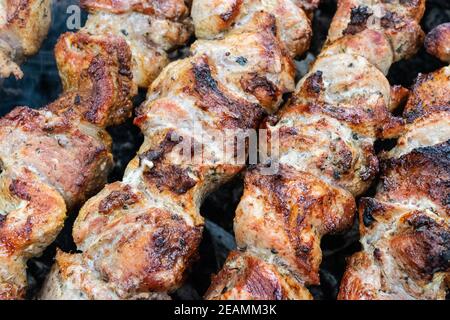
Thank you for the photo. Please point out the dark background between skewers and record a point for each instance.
(41, 85)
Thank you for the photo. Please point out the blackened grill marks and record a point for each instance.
(370, 206)
(171, 177)
(426, 247)
(167, 247)
(231, 14)
(117, 199)
(418, 111)
(170, 140)
(98, 72)
(232, 112)
(262, 88)
(389, 20)
(279, 187)
(425, 169)
(166, 175)
(19, 188)
(358, 20)
(172, 239)
(106, 86)
(314, 83)
(2, 219)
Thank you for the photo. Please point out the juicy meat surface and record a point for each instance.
(72, 157)
(246, 277)
(214, 19)
(150, 28)
(398, 20)
(437, 42)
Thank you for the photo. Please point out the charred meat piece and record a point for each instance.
(23, 26)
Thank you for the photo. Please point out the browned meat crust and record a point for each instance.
(437, 42)
(168, 9)
(151, 28)
(213, 19)
(245, 277)
(23, 26)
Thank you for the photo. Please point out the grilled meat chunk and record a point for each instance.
(437, 42)
(23, 26)
(151, 28)
(213, 19)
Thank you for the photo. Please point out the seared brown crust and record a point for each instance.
(140, 236)
(405, 254)
(397, 20)
(23, 26)
(166, 176)
(262, 88)
(64, 148)
(169, 9)
(151, 28)
(137, 247)
(348, 160)
(325, 156)
(72, 161)
(437, 42)
(246, 277)
(233, 112)
(421, 174)
(97, 77)
(364, 104)
(405, 230)
(422, 249)
(32, 214)
(429, 95)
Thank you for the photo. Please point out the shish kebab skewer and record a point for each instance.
(326, 156)
(53, 158)
(405, 228)
(138, 237)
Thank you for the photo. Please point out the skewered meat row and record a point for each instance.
(405, 229)
(138, 237)
(53, 158)
(326, 156)
(23, 26)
